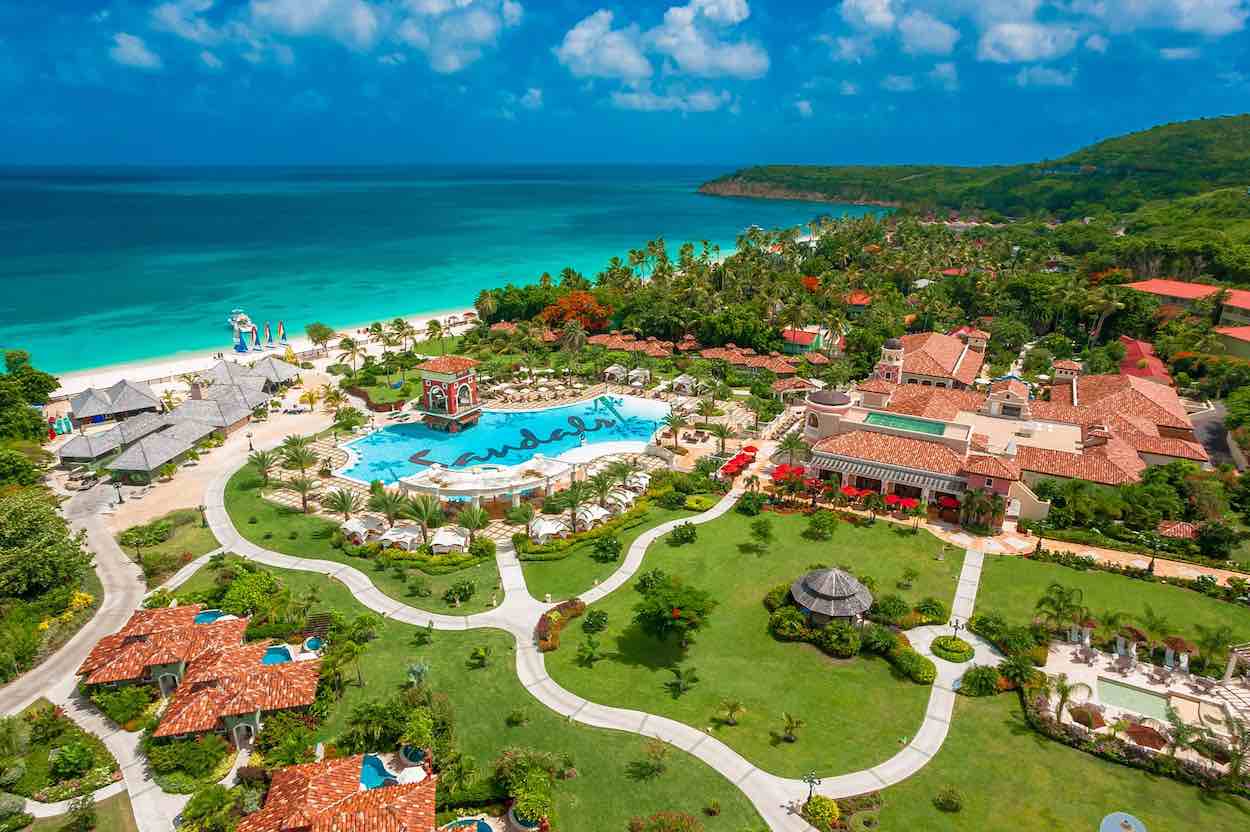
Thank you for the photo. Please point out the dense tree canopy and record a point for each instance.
(37, 551)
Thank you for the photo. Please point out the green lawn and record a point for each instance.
(1012, 585)
(275, 524)
(856, 711)
(578, 572)
(113, 814)
(1012, 778)
(189, 539)
(602, 797)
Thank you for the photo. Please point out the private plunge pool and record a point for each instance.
(502, 437)
(374, 773)
(276, 654)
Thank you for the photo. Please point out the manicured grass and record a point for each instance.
(578, 572)
(601, 797)
(856, 712)
(113, 814)
(189, 540)
(38, 773)
(1012, 585)
(275, 524)
(1012, 778)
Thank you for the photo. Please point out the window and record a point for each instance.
(912, 381)
(989, 482)
(813, 421)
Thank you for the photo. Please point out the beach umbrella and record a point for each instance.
(948, 502)
(1146, 736)
(909, 502)
(751, 449)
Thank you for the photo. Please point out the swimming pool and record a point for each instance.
(470, 825)
(208, 616)
(503, 438)
(277, 654)
(374, 774)
(894, 420)
(1132, 699)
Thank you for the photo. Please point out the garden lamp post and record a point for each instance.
(812, 782)
(956, 626)
(249, 441)
(117, 486)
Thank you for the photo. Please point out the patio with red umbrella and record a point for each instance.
(892, 499)
(948, 502)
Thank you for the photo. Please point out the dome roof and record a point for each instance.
(831, 592)
(893, 344)
(829, 397)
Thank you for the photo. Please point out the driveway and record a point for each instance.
(1209, 428)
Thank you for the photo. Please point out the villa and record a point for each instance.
(931, 359)
(750, 361)
(449, 396)
(1234, 309)
(85, 448)
(141, 460)
(1236, 340)
(344, 795)
(1140, 360)
(362, 529)
(123, 399)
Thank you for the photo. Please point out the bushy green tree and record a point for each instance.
(37, 550)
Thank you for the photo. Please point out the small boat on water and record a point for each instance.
(239, 321)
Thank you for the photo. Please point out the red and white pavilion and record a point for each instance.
(449, 399)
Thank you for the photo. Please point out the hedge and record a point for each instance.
(552, 622)
(1205, 584)
(952, 649)
(911, 664)
(561, 548)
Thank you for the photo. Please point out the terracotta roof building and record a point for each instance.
(157, 645)
(328, 796)
(1140, 360)
(931, 359)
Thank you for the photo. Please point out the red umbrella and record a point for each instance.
(797, 470)
(813, 483)
(850, 491)
(909, 502)
(891, 499)
(948, 502)
(751, 449)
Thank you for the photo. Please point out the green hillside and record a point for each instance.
(1221, 215)
(1120, 174)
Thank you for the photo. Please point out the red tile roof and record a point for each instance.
(1238, 298)
(888, 449)
(859, 297)
(1178, 529)
(1067, 364)
(148, 640)
(328, 797)
(876, 385)
(934, 402)
(940, 356)
(503, 326)
(798, 336)
(781, 385)
(815, 358)
(452, 365)
(1014, 387)
(1237, 333)
(991, 466)
(233, 682)
(1173, 288)
(1140, 360)
(1112, 464)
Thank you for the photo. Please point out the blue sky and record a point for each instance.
(724, 82)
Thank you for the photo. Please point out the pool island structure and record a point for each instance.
(449, 398)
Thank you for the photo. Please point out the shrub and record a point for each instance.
(550, 623)
(981, 680)
(701, 502)
(15, 772)
(666, 822)
(482, 548)
(838, 639)
(889, 609)
(419, 586)
(932, 608)
(751, 503)
(519, 515)
(913, 665)
(821, 812)
(123, 704)
(789, 624)
(949, 799)
(683, 533)
(671, 499)
(879, 639)
(10, 805)
(196, 758)
(596, 621)
(777, 596)
(821, 525)
(459, 592)
(607, 548)
(952, 649)
(71, 760)
(516, 718)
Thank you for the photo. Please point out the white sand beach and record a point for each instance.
(160, 371)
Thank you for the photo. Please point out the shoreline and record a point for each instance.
(162, 369)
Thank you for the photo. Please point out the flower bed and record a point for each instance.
(952, 649)
(86, 766)
(552, 622)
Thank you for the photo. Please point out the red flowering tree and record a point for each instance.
(811, 283)
(670, 607)
(577, 306)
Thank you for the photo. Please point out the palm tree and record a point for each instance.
(790, 725)
(622, 470)
(1064, 690)
(707, 408)
(434, 329)
(753, 482)
(304, 487)
(792, 445)
(349, 653)
(1059, 606)
(310, 397)
(733, 708)
(485, 304)
(674, 421)
(169, 400)
(1102, 302)
(390, 504)
(298, 459)
(1213, 641)
(601, 485)
(425, 510)
(1181, 734)
(343, 501)
(332, 398)
(473, 519)
(351, 350)
(873, 502)
(264, 462)
(573, 498)
(572, 336)
(1155, 624)
(294, 440)
(721, 432)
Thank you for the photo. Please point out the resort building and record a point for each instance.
(86, 448)
(449, 398)
(931, 359)
(347, 794)
(198, 658)
(141, 461)
(123, 399)
(750, 361)
(933, 442)
(650, 346)
(1234, 308)
(1236, 340)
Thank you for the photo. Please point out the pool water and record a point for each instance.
(503, 438)
(208, 616)
(470, 825)
(313, 643)
(373, 773)
(277, 654)
(1132, 699)
(894, 420)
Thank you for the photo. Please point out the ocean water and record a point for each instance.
(102, 266)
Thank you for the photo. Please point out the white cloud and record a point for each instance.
(512, 12)
(1179, 53)
(700, 101)
(848, 88)
(691, 36)
(1097, 43)
(851, 50)
(354, 23)
(533, 99)
(1019, 42)
(130, 50)
(878, 15)
(210, 60)
(898, 83)
(594, 49)
(1044, 76)
(455, 33)
(182, 18)
(730, 12)
(945, 75)
(393, 59)
(804, 107)
(1210, 17)
(924, 34)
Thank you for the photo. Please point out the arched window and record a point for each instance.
(438, 399)
(464, 395)
(813, 421)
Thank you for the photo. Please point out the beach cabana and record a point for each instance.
(686, 385)
(276, 371)
(139, 462)
(123, 399)
(639, 376)
(638, 481)
(449, 539)
(361, 529)
(619, 500)
(407, 538)
(616, 374)
(543, 529)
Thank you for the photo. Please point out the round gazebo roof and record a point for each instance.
(831, 592)
(832, 398)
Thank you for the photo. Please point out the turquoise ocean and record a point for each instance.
(105, 266)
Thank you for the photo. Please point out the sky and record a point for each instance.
(718, 82)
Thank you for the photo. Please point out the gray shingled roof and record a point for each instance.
(91, 447)
(123, 397)
(275, 369)
(831, 592)
(140, 425)
(88, 403)
(155, 450)
(231, 372)
(249, 397)
(219, 413)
